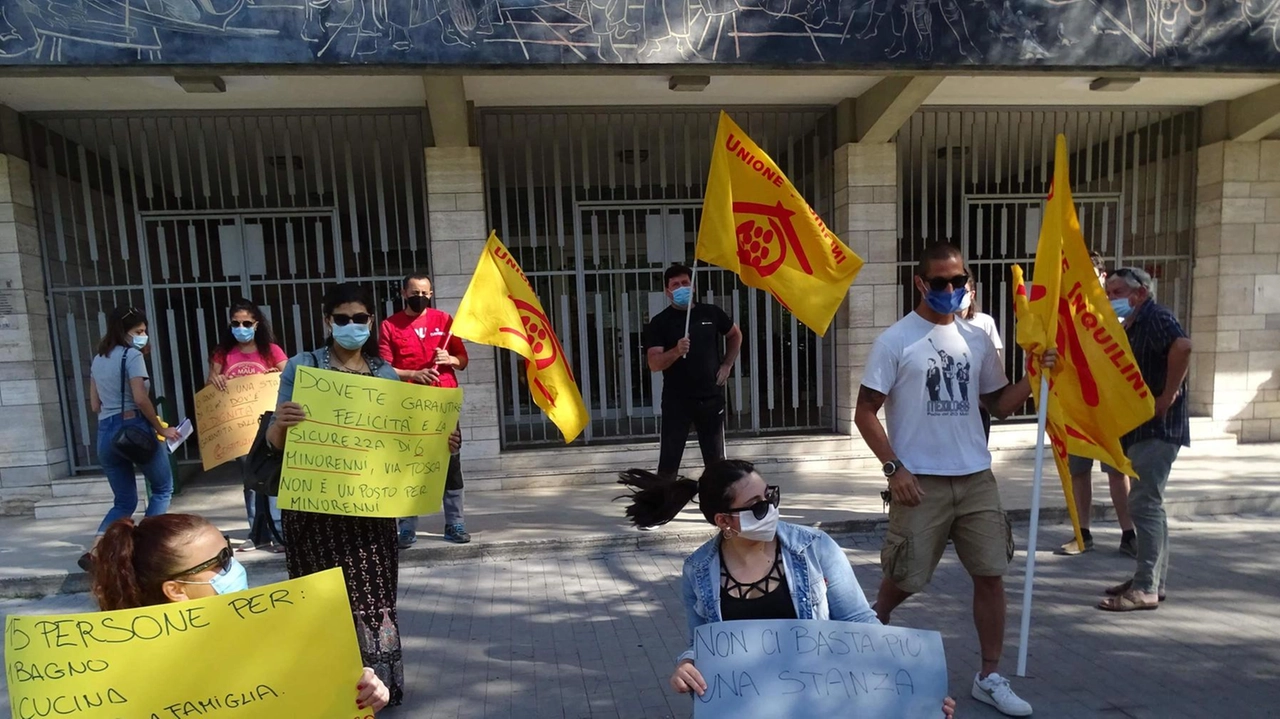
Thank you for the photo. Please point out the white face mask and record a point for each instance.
(758, 530)
(968, 300)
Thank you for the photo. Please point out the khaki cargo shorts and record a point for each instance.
(964, 509)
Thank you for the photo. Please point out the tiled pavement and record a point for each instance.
(595, 637)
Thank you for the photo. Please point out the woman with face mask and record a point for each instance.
(176, 557)
(119, 392)
(971, 312)
(365, 547)
(247, 348)
(756, 567)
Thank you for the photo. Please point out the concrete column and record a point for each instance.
(33, 448)
(866, 218)
(455, 206)
(1235, 305)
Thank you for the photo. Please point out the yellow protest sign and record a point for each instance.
(247, 649)
(370, 447)
(226, 422)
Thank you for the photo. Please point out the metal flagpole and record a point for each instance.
(1042, 415)
(693, 290)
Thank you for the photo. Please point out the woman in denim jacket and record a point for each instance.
(756, 567)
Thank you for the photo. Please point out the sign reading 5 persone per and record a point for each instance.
(137, 663)
(369, 447)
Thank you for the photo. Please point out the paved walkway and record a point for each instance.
(38, 557)
(595, 637)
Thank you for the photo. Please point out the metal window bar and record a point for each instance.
(181, 214)
(594, 205)
(1132, 174)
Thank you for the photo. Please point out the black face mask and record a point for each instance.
(417, 303)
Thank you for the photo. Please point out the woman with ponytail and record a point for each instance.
(755, 567)
(176, 557)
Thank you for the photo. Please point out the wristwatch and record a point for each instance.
(891, 467)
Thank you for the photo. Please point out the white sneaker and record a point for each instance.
(995, 690)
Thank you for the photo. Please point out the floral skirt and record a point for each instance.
(366, 549)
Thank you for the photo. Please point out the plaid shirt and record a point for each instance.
(1151, 333)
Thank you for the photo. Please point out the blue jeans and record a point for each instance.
(122, 473)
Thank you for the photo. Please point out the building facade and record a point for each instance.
(179, 155)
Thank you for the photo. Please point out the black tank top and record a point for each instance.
(769, 598)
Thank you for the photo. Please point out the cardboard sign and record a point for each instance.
(370, 447)
(226, 422)
(805, 668)
(236, 655)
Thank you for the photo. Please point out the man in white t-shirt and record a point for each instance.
(935, 456)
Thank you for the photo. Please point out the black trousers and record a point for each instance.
(706, 416)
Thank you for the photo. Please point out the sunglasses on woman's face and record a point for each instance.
(760, 509)
(939, 284)
(247, 324)
(222, 561)
(360, 318)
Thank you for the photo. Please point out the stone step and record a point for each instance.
(76, 497)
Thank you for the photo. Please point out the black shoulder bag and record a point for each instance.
(264, 462)
(134, 443)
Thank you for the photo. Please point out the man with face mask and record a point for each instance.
(1162, 351)
(413, 342)
(936, 459)
(1081, 469)
(693, 370)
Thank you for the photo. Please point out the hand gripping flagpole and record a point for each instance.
(1042, 415)
(693, 289)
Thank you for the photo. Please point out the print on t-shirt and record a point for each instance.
(949, 373)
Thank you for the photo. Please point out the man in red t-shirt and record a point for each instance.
(418, 343)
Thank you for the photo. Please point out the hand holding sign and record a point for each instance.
(808, 668)
(88, 664)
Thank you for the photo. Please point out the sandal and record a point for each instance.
(1126, 602)
(1123, 587)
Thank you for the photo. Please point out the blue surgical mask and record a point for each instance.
(1122, 307)
(945, 303)
(244, 334)
(351, 335)
(681, 296)
(140, 341)
(229, 581)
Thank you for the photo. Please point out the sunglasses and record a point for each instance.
(939, 284)
(772, 495)
(131, 312)
(247, 324)
(222, 561)
(360, 318)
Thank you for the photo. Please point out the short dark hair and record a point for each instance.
(934, 253)
(675, 270)
(1099, 264)
(119, 323)
(412, 276)
(657, 500)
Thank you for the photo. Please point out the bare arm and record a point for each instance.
(95, 402)
(869, 425)
(143, 400)
(1006, 400)
(660, 359)
(215, 370)
(1179, 360)
(732, 346)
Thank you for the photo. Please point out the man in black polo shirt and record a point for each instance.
(693, 371)
(1162, 351)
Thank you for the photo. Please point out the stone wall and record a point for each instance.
(866, 219)
(32, 444)
(1235, 306)
(455, 206)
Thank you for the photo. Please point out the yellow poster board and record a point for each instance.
(370, 447)
(282, 650)
(226, 422)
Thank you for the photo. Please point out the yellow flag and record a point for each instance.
(1097, 393)
(501, 309)
(755, 224)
